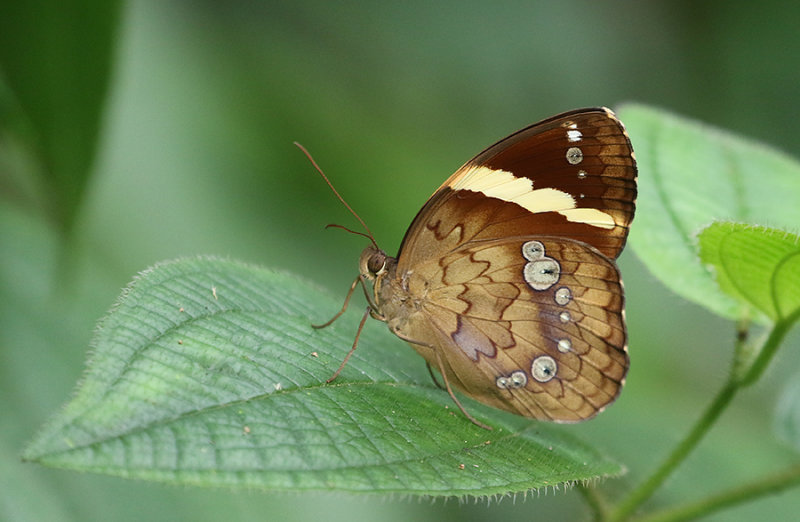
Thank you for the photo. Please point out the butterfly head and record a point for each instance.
(373, 263)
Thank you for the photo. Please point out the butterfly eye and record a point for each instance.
(376, 263)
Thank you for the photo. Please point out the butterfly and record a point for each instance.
(506, 283)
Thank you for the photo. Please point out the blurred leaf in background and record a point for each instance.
(193, 154)
(56, 60)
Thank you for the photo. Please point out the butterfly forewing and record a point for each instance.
(571, 176)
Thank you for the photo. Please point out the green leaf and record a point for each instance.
(758, 266)
(691, 175)
(787, 416)
(208, 372)
(56, 60)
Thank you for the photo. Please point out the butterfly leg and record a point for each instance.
(444, 376)
(344, 306)
(355, 343)
(373, 308)
(433, 377)
(409, 340)
(453, 396)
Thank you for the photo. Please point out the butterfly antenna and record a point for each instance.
(356, 232)
(368, 235)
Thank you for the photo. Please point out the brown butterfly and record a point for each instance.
(505, 280)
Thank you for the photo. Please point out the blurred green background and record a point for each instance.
(140, 131)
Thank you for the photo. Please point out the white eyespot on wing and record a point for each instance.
(542, 273)
(544, 368)
(517, 379)
(532, 250)
(574, 155)
(563, 296)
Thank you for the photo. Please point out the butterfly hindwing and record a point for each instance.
(548, 346)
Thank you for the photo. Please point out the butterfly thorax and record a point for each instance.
(397, 297)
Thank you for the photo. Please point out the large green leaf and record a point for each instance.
(758, 266)
(208, 372)
(691, 175)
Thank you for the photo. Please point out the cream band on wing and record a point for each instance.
(589, 216)
(504, 185)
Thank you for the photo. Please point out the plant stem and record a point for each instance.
(771, 345)
(723, 398)
(768, 485)
(646, 489)
(597, 503)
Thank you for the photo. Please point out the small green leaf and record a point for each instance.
(691, 175)
(208, 372)
(758, 266)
